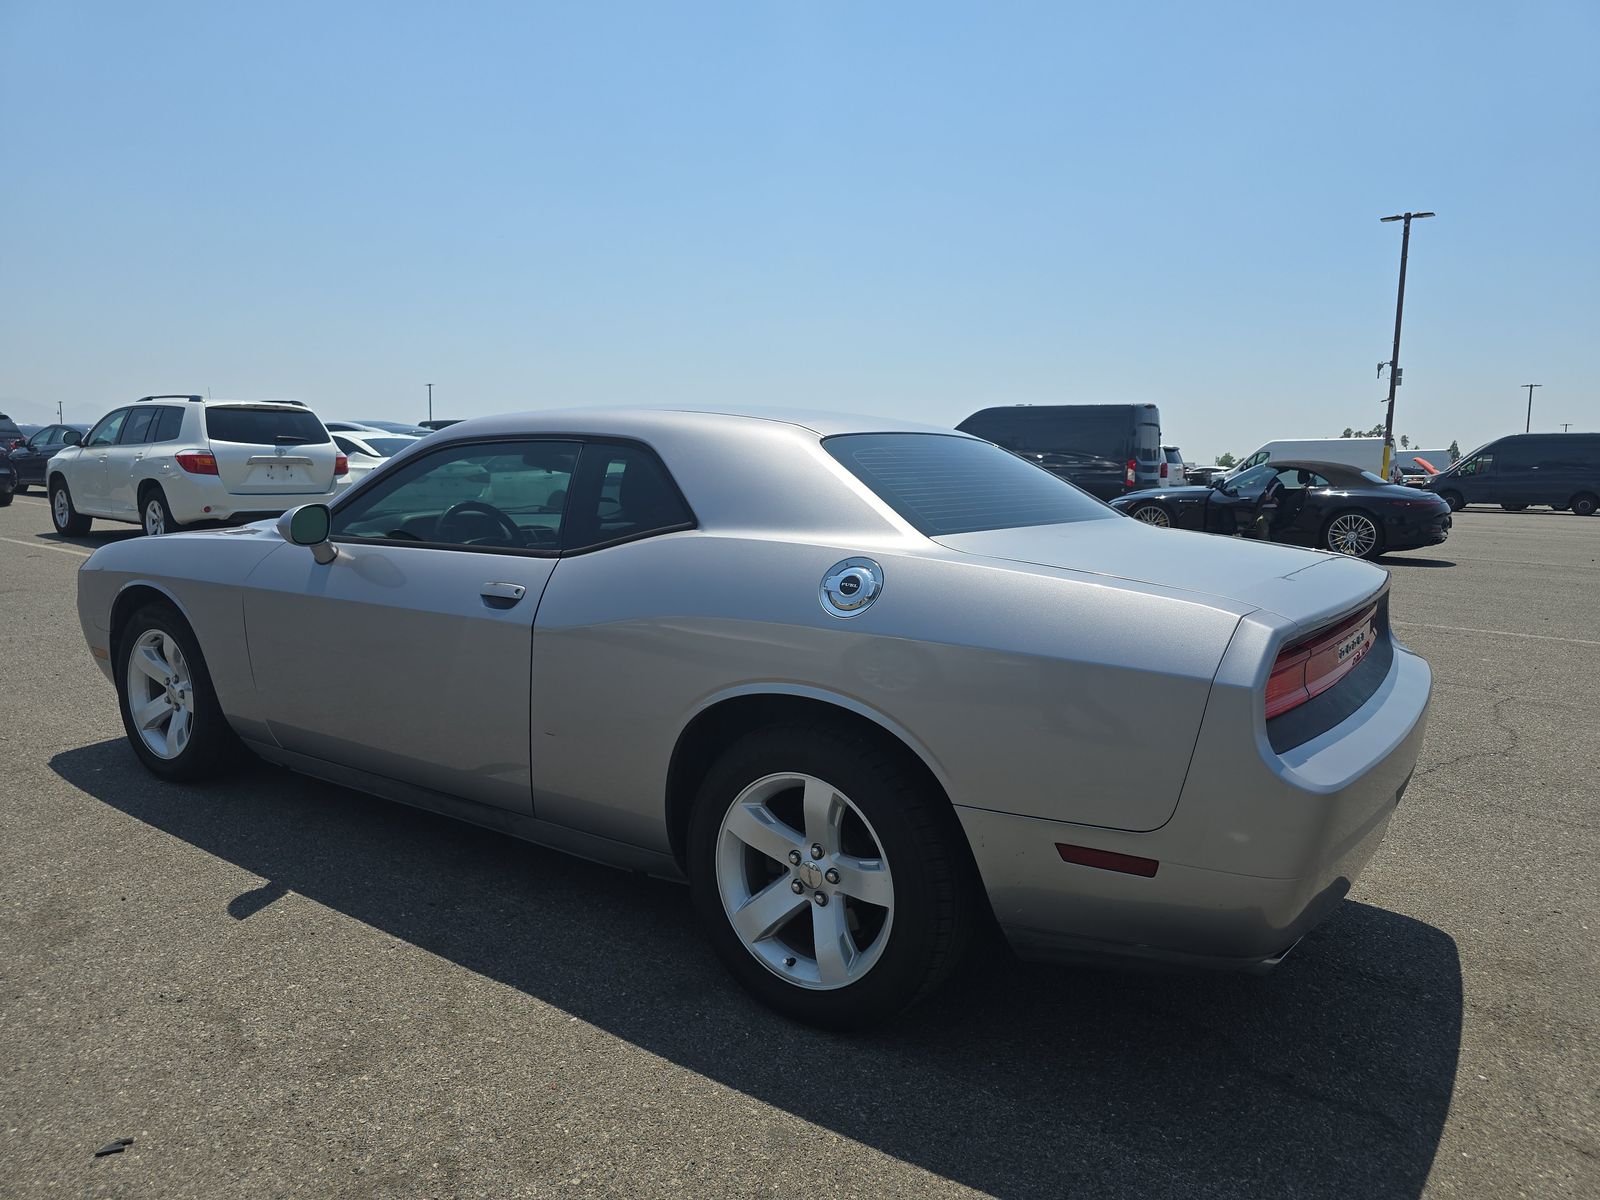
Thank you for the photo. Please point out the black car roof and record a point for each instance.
(1340, 473)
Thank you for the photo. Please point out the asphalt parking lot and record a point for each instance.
(275, 987)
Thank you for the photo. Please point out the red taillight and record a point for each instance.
(197, 462)
(341, 465)
(1133, 472)
(1312, 666)
(1163, 470)
(1107, 860)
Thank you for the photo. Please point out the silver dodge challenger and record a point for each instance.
(869, 687)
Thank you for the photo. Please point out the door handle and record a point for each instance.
(502, 595)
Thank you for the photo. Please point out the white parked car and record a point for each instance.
(167, 461)
(368, 448)
(1362, 453)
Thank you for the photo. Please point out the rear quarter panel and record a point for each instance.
(1028, 690)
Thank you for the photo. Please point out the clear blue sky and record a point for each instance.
(910, 209)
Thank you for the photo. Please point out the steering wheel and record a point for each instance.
(512, 530)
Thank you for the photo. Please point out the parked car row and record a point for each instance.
(169, 461)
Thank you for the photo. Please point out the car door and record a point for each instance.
(1232, 506)
(1297, 521)
(29, 458)
(410, 654)
(86, 479)
(123, 461)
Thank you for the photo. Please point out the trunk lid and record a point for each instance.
(266, 449)
(1306, 586)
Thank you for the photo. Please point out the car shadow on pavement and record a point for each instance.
(1399, 560)
(1331, 1077)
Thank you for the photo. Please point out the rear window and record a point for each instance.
(265, 426)
(945, 485)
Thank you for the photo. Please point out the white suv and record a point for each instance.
(170, 460)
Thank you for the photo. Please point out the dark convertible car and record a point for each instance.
(1326, 505)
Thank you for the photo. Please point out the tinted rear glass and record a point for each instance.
(168, 424)
(944, 485)
(264, 426)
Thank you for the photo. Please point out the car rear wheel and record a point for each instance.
(5, 498)
(169, 707)
(829, 874)
(156, 515)
(1454, 500)
(1353, 533)
(1513, 507)
(69, 522)
(1153, 514)
(1585, 504)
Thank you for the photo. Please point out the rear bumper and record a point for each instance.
(1261, 848)
(189, 505)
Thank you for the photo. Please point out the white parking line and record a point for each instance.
(32, 500)
(1537, 637)
(47, 546)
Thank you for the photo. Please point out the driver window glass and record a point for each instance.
(1252, 480)
(105, 433)
(44, 436)
(481, 496)
(1477, 466)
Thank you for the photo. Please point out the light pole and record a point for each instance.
(1566, 425)
(430, 402)
(59, 418)
(1528, 425)
(1399, 309)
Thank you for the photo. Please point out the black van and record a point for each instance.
(1558, 469)
(1106, 449)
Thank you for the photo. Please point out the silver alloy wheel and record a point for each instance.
(1353, 534)
(1153, 514)
(155, 517)
(160, 693)
(769, 873)
(60, 508)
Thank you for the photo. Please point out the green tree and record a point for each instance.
(1455, 450)
(1226, 460)
(1348, 432)
(1405, 442)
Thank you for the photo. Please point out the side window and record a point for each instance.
(168, 424)
(483, 495)
(1481, 464)
(346, 445)
(625, 493)
(105, 433)
(44, 437)
(136, 429)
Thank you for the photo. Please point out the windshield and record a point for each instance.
(944, 484)
(387, 447)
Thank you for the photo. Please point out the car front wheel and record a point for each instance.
(1454, 500)
(829, 874)
(1153, 514)
(1585, 505)
(169, 708)
(69, 522)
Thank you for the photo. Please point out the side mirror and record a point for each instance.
(72, 438)
(308, 525)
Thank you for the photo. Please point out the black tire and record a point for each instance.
(1584, 505)
(936, 895)
(1513, 507)
(1454, 500)
(1372, 551)
(69, 522)
(211, 741)
(5, 499)
(153, 501)
(22, 488)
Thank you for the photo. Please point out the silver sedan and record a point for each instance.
(862, 684)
